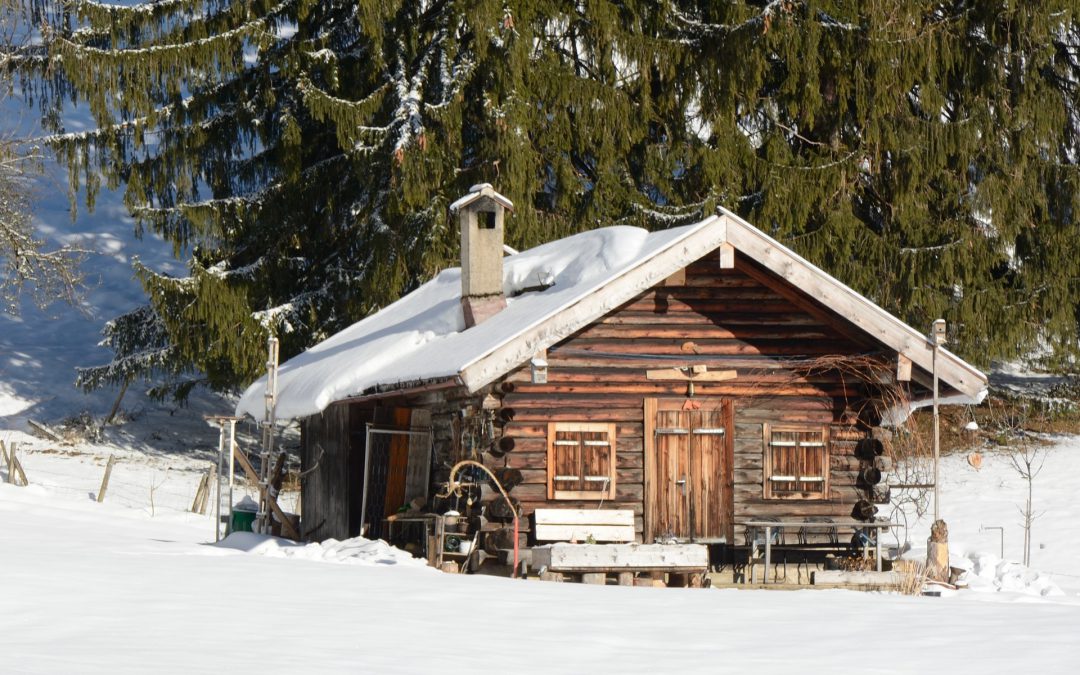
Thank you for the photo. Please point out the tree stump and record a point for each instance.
(937, 552)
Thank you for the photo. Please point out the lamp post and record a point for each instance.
(937, 338)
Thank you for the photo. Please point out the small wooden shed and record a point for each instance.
(701, 376)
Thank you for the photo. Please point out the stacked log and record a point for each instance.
(872, 461)
(497, 510)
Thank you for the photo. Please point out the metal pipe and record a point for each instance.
(1001, 533)
(232, 468)
(937, 447)
(367, 473)
(937, 338)
(217, 479)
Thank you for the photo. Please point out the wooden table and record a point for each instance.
(770, 525)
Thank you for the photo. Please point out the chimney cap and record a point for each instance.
(481, 191)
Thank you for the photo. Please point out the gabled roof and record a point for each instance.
(478, 192)
(422, 337)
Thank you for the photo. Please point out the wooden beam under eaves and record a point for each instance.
(680, 375)
(903, 368)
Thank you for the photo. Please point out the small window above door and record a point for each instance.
(796, 462)
(581, 460)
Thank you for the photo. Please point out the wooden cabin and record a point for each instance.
(701, 377)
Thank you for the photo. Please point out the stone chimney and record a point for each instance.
(481, 214)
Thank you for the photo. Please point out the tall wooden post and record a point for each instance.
(105, 479)
(263, 517)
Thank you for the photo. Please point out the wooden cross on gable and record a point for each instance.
(690, 374)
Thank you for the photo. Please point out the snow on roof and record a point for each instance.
(480, 191)
(422, 336)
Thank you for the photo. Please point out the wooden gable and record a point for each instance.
(723, 317)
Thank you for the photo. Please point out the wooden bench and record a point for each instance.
(593, 561)
(583, 526)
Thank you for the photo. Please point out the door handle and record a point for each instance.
(682, 484)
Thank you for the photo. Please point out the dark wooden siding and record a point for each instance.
(726, 319)
(324, 461)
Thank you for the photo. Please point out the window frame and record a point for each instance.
(768, 477)
(581, 427)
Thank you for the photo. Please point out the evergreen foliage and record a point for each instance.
(28, 269)
(302, 153)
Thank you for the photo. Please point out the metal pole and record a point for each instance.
(367, 472)
(937, 338)
(217, 479)
(232, 468)
(937, 447)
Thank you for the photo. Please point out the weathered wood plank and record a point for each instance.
(654, 330)
(586, 557)
(584, 516)
(584, 532)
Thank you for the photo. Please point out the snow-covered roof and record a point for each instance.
(481, 191)
(422, 336)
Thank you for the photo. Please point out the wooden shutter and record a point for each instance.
(796, 462)
(581, 461)
(566, 460)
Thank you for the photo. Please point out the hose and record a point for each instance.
(454, 487)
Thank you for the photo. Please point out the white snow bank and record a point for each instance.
(982, 509)
(422, 336)
(988, 573)
(356, 551)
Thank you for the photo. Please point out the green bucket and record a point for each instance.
(242, 521)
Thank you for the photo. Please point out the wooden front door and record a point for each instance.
(688, 475)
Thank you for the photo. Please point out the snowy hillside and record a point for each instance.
(41, 349)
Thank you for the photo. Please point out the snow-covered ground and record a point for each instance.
(973, 500)
(124, 586)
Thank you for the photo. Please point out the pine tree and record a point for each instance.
(28, 269)
(301, 154)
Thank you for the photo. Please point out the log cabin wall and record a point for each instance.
(332, 449)
(324, 465)
(738, 319)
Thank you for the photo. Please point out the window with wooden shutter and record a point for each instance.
(581, 460)
(796, 462)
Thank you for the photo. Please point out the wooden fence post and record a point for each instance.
(18, 466)
(105, 479)
(14, 466)
(202, 494)
(7, 462)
